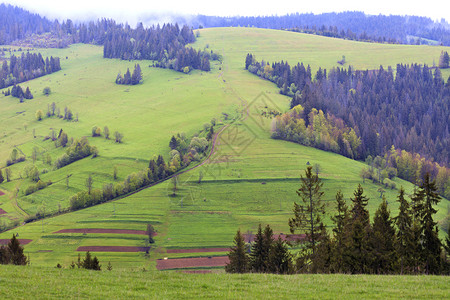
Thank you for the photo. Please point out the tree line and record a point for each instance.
(323, 132)
(405, 29)
(408, 243)
(183, 152)
(409, 110)
(408, 166)
(26, 67)
(335, 32)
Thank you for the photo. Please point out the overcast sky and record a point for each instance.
(131, 10)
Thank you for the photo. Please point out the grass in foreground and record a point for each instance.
(39, 283)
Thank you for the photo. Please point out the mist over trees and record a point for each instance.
(350, 25)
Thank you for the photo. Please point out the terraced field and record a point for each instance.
(249, 178)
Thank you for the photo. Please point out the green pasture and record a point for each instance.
(249, 179)
(44, 283)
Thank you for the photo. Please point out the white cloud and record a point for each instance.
(131, 10)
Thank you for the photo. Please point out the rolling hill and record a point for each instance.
(249, 178)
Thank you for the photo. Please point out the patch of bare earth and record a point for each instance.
(2, 212)
(22, 241)
(193, 262)
(198, 250)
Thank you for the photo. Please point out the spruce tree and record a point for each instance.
(341, 221)
(423, 200)
(16, 256)
(309, 213)
(239, 260)
(382, 254)
(259, 254)
(404, 243)
(356, 249)
(279, 260)
(87, 261)
(173, 144)
(1, 176)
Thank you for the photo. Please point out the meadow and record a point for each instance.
(249, 179)
(44, 283)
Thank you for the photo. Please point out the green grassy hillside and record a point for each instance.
(249, 179)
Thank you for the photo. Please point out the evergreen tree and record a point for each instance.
(259, 253)
(28, 94)
(239, 260)
(322, 259)
(127, 77)
(1, 176)
(341, 221)
(423, 200)
(15, 251)
(137, 75)
(279, 260)
(173, 144)
(405, 243)
(309, 213)
(383, 255)
(356, 250)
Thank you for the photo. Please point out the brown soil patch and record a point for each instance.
(22, 241)
(193, 262)
(113, 249)
(2, 212)
(284, 237)
(101, 230)
(1, 193)
(198, 250)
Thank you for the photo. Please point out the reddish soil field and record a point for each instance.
(2, 212)
(193, 262)
(22, 241)
(112, 249)
(199, 250)
(1, 193)
(100, 230)
(284, 237)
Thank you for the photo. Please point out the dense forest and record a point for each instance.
(166, 45)
(18, 23)
(408, 243)
(409, 110)
(26, 67)
(404, 29)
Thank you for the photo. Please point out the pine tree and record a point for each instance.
(239, 260)
(173, 144)
(382, 253)
(321, 262)
(405, 243)
(341, 221)
(258, 254)
(308, 215)
(279, 260)
(423, 200)
(16, 256)
(87, 261)
(127, 77)
(1, 176)
(356, 250)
